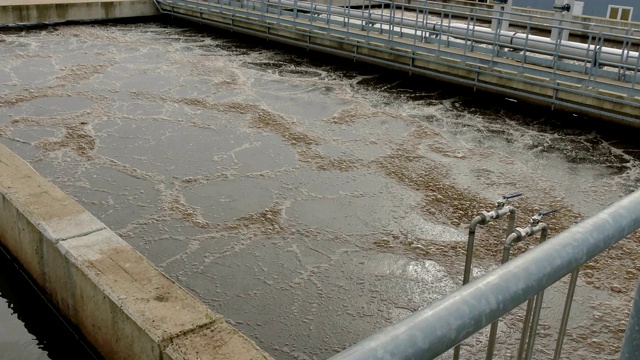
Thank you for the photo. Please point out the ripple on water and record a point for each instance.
(220, 201)
(56, 105)
(169, 149)
(34, 71)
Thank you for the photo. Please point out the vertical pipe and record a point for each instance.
(470, 242)
(533, 329)
(466, 38)
(391, 13)
(556, 54)
(425, 14)
(526, 42)
(493, 332)
(565, 313)
(626, 48)
(631, 343)
(525, 329)
(598, 51)
(415, 34)
(496, 33)
(535, 316)
(586, 61)
(369, 24)
(467, 266)
(440, 34)
(512, 221)
(402, 17)
(348, 14)
(449, 31)
(473, 31)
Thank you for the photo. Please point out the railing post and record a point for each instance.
(631, 344)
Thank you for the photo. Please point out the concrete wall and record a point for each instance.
(53, 11)
(125, 306)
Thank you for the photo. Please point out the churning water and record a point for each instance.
(311, 201)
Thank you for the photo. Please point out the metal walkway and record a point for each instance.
(455, 45)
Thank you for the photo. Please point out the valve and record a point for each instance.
(561, 7)
(535, 220)
(500, 203)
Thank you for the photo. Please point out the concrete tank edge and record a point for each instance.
(48, 12)
(122, 303)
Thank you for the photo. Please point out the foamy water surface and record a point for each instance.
(309, 201)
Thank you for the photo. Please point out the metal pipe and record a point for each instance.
(537, 308)
(525, 329)
(485, 218)
(467, 264)
(470, 242)
(526, 325)
(506, 252)
(486, 35)
(631, 342)
(565, 313)
(535, 226)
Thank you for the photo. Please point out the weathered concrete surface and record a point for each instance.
(125, 306)
(15, 12)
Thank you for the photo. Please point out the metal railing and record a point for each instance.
(591, 69)
(431, 331)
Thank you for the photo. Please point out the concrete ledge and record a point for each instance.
(125, 306)
(56, 11)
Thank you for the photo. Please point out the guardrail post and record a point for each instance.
(631, 344)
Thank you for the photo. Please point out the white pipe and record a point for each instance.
(483, 34)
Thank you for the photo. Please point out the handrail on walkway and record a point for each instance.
(433, 330)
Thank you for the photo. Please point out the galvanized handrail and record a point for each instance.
(589, 54)
(433, 330)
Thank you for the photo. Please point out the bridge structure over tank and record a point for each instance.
(597, 76)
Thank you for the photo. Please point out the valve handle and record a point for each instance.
(537, 217)
(511, 196)
(546, 212)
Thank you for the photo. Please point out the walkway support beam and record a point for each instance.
(437, 328)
